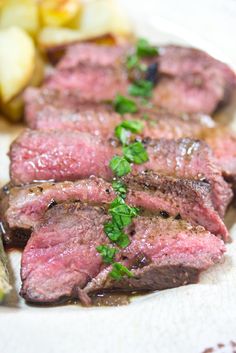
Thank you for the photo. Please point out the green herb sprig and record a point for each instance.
(119, 271)
(122, 214)
(123, 131)
(143, 49)
(141, 88)
(124, 105)
(107, 253)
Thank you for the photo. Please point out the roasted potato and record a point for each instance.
(17, 62)
(58, 13)
(103, 17)
(22, 13)
(14, 109)
(30, 26)
(97, 18)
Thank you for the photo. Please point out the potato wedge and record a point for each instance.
(39, 69)
(14, 109)
(101, 17)
(23, 13)
(98, 18)
(17, 62)
(51, 37)
(59, 12)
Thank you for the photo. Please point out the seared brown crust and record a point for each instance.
(152, 278)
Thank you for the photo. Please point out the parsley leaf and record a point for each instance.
(116, 234)
(120, 166)
(135, 153)
(119, 188)
(135, 126)
(122, 213)
(122, 134)
(118, 271)
(112, 231)
(141, 88)
(144, 48)
(124, 105)
(122, 130)
(107, 253)
(123, 241)
(133, 62)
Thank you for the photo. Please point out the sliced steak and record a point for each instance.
(93, 55)
(60, 258)
(178, 197)
(223, 143)
(189, 80)
(39, 100)
(192, 80)
(96, 71)
(98, 119)
(59, 155)
(157, 123)
(181, 198)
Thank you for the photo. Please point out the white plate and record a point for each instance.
(183, 320)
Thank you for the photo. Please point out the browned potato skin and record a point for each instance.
(14, 109)
(79, 22)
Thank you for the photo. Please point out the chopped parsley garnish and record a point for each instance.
(122, 214)
(119, 271)
(112, 231)
(123, 241)
(144, 48)
(123, 130)
(124, 105)
(107, 253)
(135, 126)
(135, 153)
(122, 134)
(120, 166)
(116, 234)
(119, 188)
(133, 62)
(141, 88)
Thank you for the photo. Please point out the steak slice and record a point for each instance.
(192, 80)
(223, 143)
(189, 79)
(98, 119)
(49, 109)
(181, 198)
(158, 123)
(71, 155)
(39, 100)
(58, 155)
(96, 71)
(60, 258)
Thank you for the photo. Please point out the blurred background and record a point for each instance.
(33, 33)
(212, 20)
